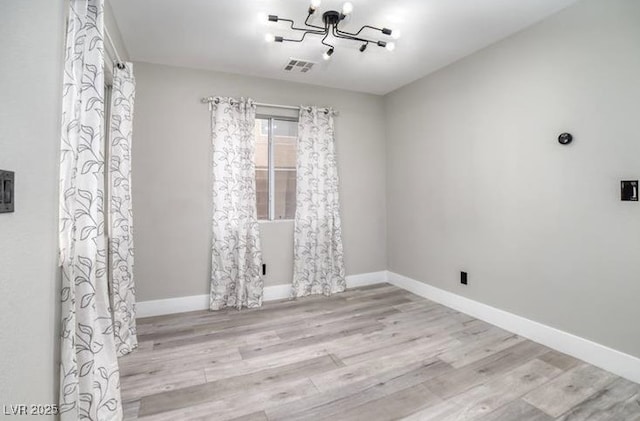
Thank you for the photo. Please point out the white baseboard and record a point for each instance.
(172, 305)
(609, 359)
(276, 292)
(272, 293)
(364, 279)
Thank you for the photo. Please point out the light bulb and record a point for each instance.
(263, 17)
(269, 37)
(347, 8)
(327, 54)
(390, 46)
(395, 34)
(315, 4)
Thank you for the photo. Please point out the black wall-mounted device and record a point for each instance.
(7, 194)
(629, 190)
(565, 138)
(463, 278)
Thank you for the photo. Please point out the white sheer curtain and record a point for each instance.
(236, 256)
(123, 294)
(89, 376)
(318, 256)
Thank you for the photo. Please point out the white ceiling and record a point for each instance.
(227, 35)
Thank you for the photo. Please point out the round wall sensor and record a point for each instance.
(565, 138)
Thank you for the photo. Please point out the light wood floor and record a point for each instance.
(373, 353)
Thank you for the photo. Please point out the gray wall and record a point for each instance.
(172, 182)
(31, 50)
(477, 181)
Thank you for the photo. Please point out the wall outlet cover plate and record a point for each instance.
(7, 194)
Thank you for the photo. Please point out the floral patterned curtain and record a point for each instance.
(123, 294)
(236, 256)
(318, 257)
(89, 376)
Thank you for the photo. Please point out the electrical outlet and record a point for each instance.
(463, 278)
(7, 194)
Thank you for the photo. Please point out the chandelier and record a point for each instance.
(332, 26)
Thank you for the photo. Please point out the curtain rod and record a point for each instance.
(210, 99)
(119, 61)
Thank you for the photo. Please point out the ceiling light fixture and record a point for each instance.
(332, 20)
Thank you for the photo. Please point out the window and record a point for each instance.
(276, 146)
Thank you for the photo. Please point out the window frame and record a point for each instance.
(271, 168)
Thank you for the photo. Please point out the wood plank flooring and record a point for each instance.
(372, 353)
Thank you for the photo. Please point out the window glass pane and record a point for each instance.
(285, 194)
(262, 167)
(285, 128)
(285, 135)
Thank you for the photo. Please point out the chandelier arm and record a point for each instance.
(306, 22)
(338, 34)
(367, 41)
(361, 29)
(325, 37)
(301, 39)
(291, 23)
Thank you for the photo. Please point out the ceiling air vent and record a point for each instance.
(297, 65)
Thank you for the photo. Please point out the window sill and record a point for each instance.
(267, 221)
